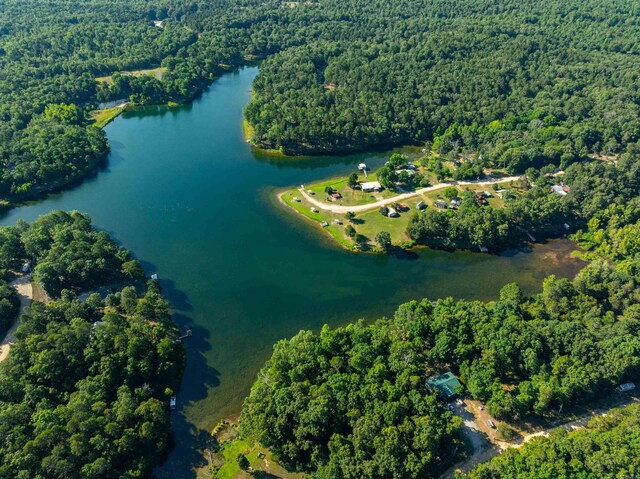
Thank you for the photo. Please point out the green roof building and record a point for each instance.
(447, 384)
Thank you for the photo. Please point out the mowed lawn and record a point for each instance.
(350, 197)
(368, 224)
(266, 463)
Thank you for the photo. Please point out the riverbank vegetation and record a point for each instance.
(85, 389)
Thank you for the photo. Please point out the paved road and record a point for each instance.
(25, 292)
(361, 208)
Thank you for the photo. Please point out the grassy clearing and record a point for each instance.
(248, 130)
(336, 231)
(350, 197)
(368, 224)
(260, 460)
(157, 73)
(102, 118)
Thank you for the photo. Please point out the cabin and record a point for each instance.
(392, 213)
(446, 384)
(370, 186)
(421, 205)
(336, 196)
(324, 224)
(558, 190)
(440, 204)
(501, 193)
(454, 204)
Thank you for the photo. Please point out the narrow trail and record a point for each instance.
(25, 292)
(340, 209)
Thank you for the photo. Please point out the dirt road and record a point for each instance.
(360, 208)
(25, 292)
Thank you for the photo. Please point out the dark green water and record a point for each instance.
(185, 192)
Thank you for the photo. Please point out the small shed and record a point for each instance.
(446, 384)
(420, 205)
(392, 213)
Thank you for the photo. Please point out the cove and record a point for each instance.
(185, 192)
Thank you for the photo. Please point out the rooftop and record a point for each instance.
(447, 384)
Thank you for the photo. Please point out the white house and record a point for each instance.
(392, 213)
(369, 186)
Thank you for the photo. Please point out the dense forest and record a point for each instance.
(68, 253)
(9, 306)
(84, 392)
(522, 83)
(609, 448)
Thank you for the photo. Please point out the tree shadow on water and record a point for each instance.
(187, 441)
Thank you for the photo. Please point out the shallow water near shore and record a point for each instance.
(186, 193)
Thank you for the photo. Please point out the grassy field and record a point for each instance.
(303, 207)
(102, 118)
(350, 197)
(368, 224)
(157, 73)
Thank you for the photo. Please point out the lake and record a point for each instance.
(185, 192)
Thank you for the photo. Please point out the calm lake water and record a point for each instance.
(185, 192)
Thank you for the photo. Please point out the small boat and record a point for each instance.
(172, 402)
(154, 277)
(362, 166)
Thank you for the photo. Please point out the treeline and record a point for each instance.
(9, 306)
(522, 82)
(353, 402)
(67, 253)
(84, 392)
(608, 448)
(597, 189)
